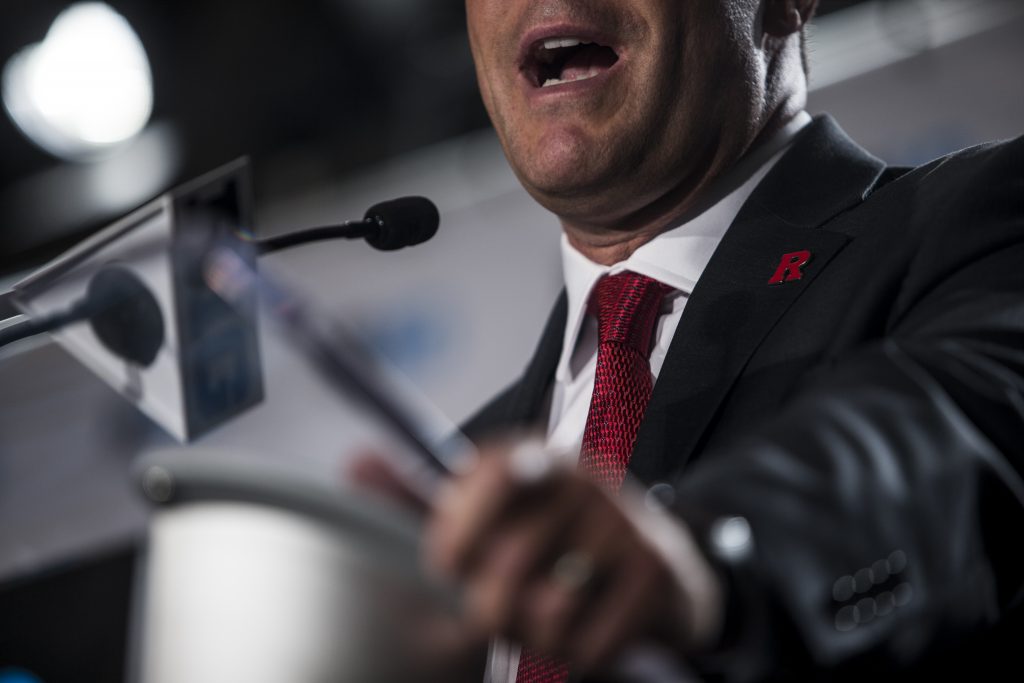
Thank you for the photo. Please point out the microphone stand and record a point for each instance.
(13, 329)
(347, 230)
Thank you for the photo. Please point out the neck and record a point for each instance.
(608, 245)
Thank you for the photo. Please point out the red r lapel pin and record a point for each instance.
(791, 267)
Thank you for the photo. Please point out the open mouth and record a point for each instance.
(556, 61)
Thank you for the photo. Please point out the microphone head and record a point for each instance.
(126, 316)
(403, 222)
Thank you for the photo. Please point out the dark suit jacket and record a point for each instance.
(874, 406)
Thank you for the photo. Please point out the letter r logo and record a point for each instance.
(791, 267)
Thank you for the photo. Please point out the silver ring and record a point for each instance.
(574, 570)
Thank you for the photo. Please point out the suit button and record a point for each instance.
(864, 611)
(885, 603)
(897, 561)
(843, 590)
(661, 495)
(731, 538)
(846, 618)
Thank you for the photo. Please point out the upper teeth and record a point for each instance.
(555, 43)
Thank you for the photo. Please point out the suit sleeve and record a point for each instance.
(885, 498)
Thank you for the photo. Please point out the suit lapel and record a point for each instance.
(733, 308)
(526, 400)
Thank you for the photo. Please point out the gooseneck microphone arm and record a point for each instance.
(387, 226)
(32, 326)
(121, 310)
(117, 297)
(352, 230)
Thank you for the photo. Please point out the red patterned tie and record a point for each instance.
(627, 307)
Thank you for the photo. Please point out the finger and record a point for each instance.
(468, 512)
(516, 554)
(641, 584)
(374, 472)
(556, 605)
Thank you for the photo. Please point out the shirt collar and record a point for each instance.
(678, 256)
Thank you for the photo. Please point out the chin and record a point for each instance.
(562, 165)
(575, 199)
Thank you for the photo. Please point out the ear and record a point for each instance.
(785, 17)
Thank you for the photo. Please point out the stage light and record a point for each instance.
(85, 89)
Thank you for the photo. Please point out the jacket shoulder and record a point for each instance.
(977, 170)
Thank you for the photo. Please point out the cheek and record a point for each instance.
(485, 20)
(488, 23)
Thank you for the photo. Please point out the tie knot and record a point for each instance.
(627, 306)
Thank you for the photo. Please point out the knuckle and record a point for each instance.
(650, 568)
(550, 612)
(511, 556)
(437, 550)
(591, 654)
(488, 606)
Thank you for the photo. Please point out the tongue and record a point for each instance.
(587, 61)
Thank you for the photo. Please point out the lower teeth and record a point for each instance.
(555, 81)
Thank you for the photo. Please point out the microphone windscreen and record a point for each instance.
(403, 222)
(126, 316)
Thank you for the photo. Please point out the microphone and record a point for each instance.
(132, 307)
(123, 313)
(387, 226)
(125, 316)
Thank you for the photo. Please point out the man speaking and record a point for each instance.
(781, 398)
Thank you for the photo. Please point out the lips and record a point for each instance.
(562, 55)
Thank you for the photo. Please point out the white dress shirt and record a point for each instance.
(676, 258)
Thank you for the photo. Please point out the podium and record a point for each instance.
(255, 573)
(250, 568)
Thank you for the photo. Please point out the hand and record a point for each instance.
(550, 560)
